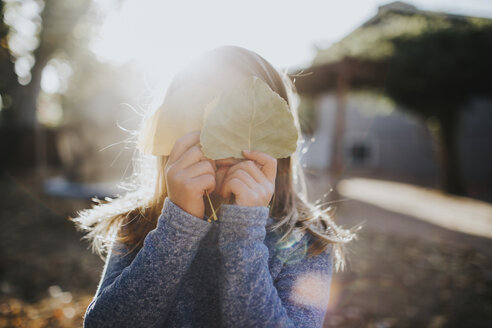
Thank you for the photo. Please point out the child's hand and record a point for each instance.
(251, 185)
(189, 174)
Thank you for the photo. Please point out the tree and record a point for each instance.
(18, 117)
(434, 75)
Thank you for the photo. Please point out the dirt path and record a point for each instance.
(407, 272)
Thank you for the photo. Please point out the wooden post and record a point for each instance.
(337, 165)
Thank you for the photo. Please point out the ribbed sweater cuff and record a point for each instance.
(239, 222)
(182, 221)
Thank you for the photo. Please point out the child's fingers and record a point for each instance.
(246, 190)
(268, 163)
(200, 168)
(243, 176)
(234, 186)
(182, 145)
(203, 182)
(191, 156)
(260, 188)
(252, 169)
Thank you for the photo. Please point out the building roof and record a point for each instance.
(372, 40)
(362, 56)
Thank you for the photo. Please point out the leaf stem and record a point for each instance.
(214, 215)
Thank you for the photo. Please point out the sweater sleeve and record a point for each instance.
(249, 297)
(137, 290)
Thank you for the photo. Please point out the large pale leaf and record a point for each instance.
(182, 111)
(251, 116)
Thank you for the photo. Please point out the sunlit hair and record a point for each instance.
(129, 218)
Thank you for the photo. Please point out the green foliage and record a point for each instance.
(374, 41)
(434, 75)
(440, 70)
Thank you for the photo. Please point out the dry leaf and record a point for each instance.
(251, 116)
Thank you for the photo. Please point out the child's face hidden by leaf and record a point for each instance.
(249, 115)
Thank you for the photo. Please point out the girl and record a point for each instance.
(266, 262)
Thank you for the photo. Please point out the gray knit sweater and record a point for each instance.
(229, 273)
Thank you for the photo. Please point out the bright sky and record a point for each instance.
(162, 36)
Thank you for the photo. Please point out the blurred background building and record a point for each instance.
(402, 98)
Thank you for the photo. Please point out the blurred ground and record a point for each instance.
(47, 274)
(407, 272)
(402, 272)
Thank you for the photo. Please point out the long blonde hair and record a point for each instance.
(129, 218)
